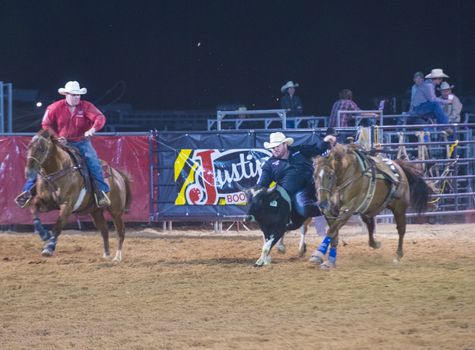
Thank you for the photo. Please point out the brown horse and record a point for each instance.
(60, 185)
(350, 182)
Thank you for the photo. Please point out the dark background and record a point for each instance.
(190, 55)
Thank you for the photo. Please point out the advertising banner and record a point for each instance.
(130, 154)
(202, 175)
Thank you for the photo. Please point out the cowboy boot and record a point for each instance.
(102, 200)
(23, 199)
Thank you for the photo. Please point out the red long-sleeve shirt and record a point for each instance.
(61, 123)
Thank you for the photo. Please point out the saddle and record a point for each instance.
(80, 164)
(377, 167)
(385, 169)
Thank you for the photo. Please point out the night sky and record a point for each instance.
(195, 55)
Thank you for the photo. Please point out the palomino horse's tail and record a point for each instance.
(128, 191)
(420, 190)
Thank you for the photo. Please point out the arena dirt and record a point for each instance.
(197, 290)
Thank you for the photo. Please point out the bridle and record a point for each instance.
(50, 178)
(338, 189)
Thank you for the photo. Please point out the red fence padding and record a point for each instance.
(129, 154)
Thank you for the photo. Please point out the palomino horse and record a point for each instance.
(350, 182)
(61, 186)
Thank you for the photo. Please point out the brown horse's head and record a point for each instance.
(327, 175)
(39, 151)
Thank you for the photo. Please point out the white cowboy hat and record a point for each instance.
(289, 84)
(72, 87)
(276, 139)
(446, 86)
(436, 73)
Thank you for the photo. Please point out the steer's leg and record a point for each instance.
(270, 240)
(281, 246)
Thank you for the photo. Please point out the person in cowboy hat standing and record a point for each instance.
(423, 98)
(291, 102)
(73, 121)
(453, 109)
(292, 169)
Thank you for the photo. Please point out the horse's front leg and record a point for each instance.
(37, 225)
(331, 262)
(50, 246)
(318, 256)
(331, 238)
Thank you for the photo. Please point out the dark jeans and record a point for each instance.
(305, 202)
(433, 108)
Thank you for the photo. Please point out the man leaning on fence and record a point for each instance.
(424, 103)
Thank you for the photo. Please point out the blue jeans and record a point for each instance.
(305, 202)
(30, 182)
(433, 108)
(92, 162)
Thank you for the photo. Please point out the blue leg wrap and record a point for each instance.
(323, 247)
(44, 233)
(51, 244)
(332, 255)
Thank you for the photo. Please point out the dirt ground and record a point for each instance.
(198, 290)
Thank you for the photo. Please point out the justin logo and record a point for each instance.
(211, 177)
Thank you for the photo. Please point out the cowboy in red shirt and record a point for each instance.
(73, 121)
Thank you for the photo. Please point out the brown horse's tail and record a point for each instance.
(128, 191)
(420, 190)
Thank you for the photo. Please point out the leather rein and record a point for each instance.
(370, 172)
(50, 178)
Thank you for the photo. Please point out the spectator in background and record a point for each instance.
(423, 100)
(451, 109)
(344, 103)
(291, 102)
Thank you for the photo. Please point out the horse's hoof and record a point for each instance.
(376, 245)
(47, 252)
(327, 265)
(118, 256)
(316, 258)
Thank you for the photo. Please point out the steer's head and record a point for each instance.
(268, 207)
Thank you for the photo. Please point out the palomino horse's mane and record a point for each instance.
(336, 156)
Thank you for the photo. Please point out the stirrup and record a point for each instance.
(103, 201)
(23, 199)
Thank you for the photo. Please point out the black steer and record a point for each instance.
(271, 209)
